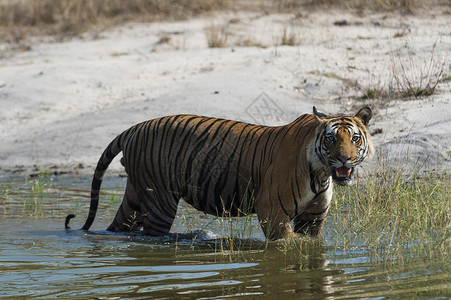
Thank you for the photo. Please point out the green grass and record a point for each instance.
(396, 218)
(34, 205)
(329, 75)
(372, 93)
(46, 196)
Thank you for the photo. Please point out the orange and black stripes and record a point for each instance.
(113, 149)
(216, 165)
(221, 167)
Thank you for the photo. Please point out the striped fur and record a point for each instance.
(224, 167)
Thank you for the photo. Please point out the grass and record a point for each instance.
(378, 91)
(217, 35)
(396, 218)
(20, 19)
(328, 75)
(46, 196)
(406, 6)
(411, 77)
(346, 81)
(415, 79)
(34, 205)
(248, 42)
(372, 93)
(288, 38)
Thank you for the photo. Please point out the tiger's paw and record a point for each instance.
(291, 235)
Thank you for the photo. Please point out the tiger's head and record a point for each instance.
(342, 143)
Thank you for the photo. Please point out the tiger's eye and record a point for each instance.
(330, 138)
(356, 138)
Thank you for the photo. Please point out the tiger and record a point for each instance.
(283, 174)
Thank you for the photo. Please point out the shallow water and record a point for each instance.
(38, 258)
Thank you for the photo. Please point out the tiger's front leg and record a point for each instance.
(276, 228)
(128, 216)
(275, 223)
(307, 226)
(311, 221)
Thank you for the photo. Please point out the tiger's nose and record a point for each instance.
(344, 159)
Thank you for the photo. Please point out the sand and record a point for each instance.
(63, 102)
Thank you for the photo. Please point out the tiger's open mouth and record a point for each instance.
(342, 175)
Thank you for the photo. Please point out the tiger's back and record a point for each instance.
(215, 165)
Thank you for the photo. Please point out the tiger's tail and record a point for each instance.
(111, 151)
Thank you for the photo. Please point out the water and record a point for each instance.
(39, 259)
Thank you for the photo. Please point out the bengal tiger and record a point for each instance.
(224, 167)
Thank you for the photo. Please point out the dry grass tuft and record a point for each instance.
(289, 38)
(413, 79)
(217, 35)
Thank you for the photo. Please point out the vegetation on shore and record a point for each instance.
(23, 18)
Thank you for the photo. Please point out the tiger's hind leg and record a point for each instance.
(128, 216)
(158, 211)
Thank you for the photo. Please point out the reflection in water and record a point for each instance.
(38, 258)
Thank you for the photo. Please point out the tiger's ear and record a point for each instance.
(318, 115)
(365, 115)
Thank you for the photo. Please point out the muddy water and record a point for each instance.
(39, 259)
